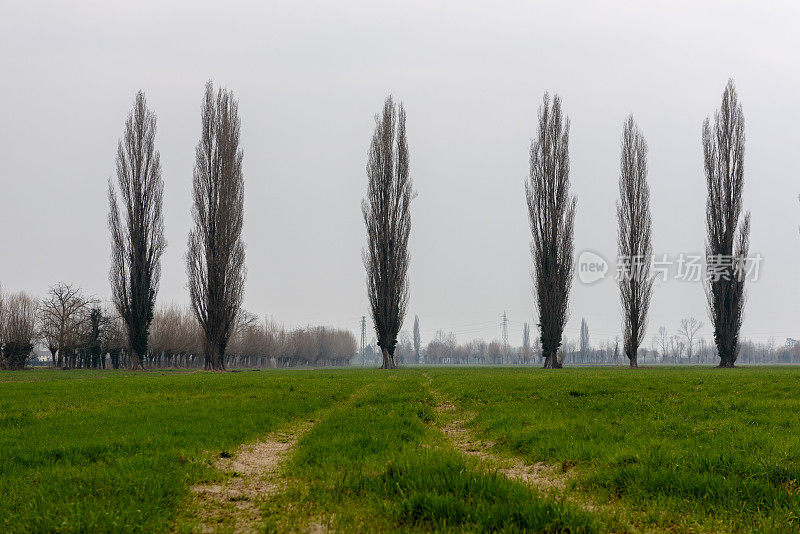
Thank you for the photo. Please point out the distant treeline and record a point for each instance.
(177, 341)
(676, 350)
(78, 333)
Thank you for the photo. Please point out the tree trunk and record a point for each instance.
(634, 359)
(136, 360)
(551, 361)
(215, 360)
(388, 359)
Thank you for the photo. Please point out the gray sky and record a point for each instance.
(310, 77)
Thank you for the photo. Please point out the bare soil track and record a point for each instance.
(253, 477)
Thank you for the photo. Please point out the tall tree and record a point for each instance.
(728, 239)
(2, 324)
(634, 245)
(416, 338)
(387, 215)
(526, 343)
(551, 211)
(662, 341)
(584, 345)
(137, 232)
(215, 259)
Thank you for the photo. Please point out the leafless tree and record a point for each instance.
(387, 215)
(175, 338)
(634, 244)
(551, 211)
(2, 323)
(728, 240)
(584, 341)
(662, 341)
(417, 338)
(137, 230)
(688, 329)
(527, 351)
(18, 330)
(215, 261)
(247, 346)
(172, 335)
(702, 351)
(62, 316)
(442, 348)
(676, 346)
(114, 338)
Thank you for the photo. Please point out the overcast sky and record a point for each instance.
(311, 76)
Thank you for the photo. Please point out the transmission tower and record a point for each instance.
(363, 336)
(504, 324)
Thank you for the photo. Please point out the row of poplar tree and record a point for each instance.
(551, 211)
(215, 259)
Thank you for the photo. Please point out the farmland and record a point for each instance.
(418, 449)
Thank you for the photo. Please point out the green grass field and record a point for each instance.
(658, 449)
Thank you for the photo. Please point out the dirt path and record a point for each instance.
(544, 477)
(253, 477)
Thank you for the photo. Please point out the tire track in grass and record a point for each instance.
(545, 478)
(253, 476)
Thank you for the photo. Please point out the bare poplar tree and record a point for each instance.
(387, 215)
(551, 211)
(215, 259)
(728, 240)
(584, 341)
(526, 343)
(634, 239)
(2, 324)
(137, 230)
(417, 338)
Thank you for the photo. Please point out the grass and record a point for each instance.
(660, 448)
(705, 449)
(379, 463)
(117, 452)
